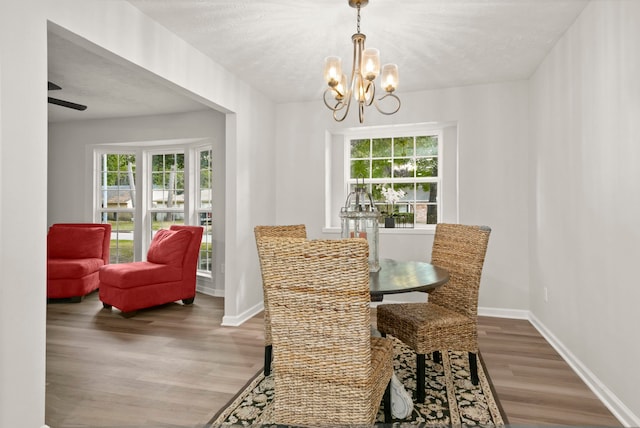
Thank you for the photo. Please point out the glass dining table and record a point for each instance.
(397, 276)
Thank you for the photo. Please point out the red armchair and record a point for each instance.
(75, 254)
(168, 274)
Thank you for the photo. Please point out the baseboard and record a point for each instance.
(237, 320)
(518, 314)
(626, 417)
(210, 291)
(604, 394)
(482, 311)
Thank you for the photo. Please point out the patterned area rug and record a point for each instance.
(451, 397)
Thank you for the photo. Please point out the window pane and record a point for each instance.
(115, 197)
(205, 260)
(163, 220)
(381, 147)
(205, 205)
(408, 189)
(426, 214)
(427, 146)
(179, 184)
(121, 244)
(403, 167)
(403, 146)
(360, 168)
(167, 180)
(427, 192)
(403, 162)
(205, 159)
(205, 179)
(426, 167)
(381, 168)
(360, 149)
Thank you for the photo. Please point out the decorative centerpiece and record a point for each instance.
(392, 197)
(360, 220)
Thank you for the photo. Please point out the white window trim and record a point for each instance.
(143, 152)
(336, 170)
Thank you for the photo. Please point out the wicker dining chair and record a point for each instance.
(328, 370)
(284, 231)
(448, 320)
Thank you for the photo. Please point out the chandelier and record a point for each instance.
(360, 87)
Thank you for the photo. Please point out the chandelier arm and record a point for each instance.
(344, 116)
(345, 107)
(370, 93)
(347, 98)
(389, 112)
(339, 103)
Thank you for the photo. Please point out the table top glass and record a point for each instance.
(397, 276)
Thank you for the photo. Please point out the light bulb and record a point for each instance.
(390, 77)
(370, 66)
(332, 70)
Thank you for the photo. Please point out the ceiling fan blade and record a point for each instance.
(53, 86)
(67, 104)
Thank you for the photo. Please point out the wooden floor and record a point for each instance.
(175, 366)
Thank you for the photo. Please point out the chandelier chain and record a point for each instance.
(358, 26)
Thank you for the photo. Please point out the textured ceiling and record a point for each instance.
(109, 89)
(278, 46)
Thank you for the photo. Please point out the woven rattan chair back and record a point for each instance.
(448, 320)
(460, 249)
(318, 297)
(283, 231)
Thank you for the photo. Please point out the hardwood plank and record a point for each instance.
(176, 366)
(534, 384)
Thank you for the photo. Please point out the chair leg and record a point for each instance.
(188, 301)
(386, 400)
(437, 357)
(106, 305)
(473, 368)
(129, 314)
(420, 375)
(268, 350)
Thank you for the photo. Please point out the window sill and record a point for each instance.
(390, 231)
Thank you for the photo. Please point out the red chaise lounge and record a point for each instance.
(75, 254)
(168, 274)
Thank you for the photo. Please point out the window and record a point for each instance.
(167, 201)
(175, 186)
(408, 164)
(115, 201)
(204, 206)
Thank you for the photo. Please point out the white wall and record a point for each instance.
(70, 174)
(23, 175)
(116, 27)
(121, 29)
(492, 175)
(585, 166)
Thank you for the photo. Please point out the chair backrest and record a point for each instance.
(190, 261)
(318, 296)
(79, 240)
(461, 250)
(282, 231)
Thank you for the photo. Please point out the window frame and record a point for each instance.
(142, 205)
(150, 210)
(199, 209)
(98, 192)
(396, 132)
